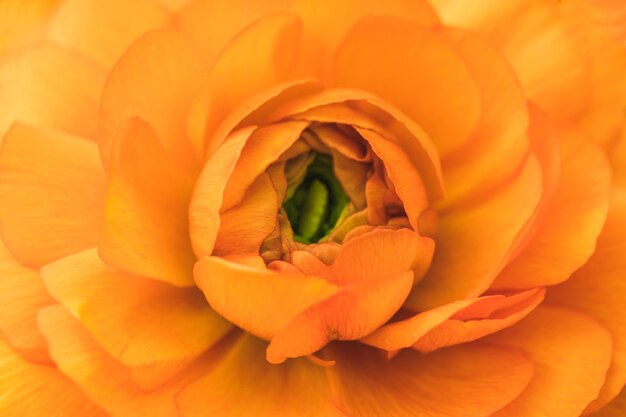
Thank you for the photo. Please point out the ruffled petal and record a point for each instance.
(571, 353)
(146, 226)
(464, 381)
(50, 86)
(598, 288)
(51, 194)
(148, 322)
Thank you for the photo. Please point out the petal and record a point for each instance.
(464, 381)
(22, 294)
(616, 408)
(571, 353)
(372, 255)
(244, 227)
(141, 84)
(146, 229)
(32, 90)
(474, 241)
(245, 383)
(105, 381)
(22, 21)
(39, 390)
(537, 42)
(350, 314)
(567, 233)
(455, 323)
(270, 45)
(52, 189)
(400, 61)
(259, 301)
(102, 29)
(147, 322)
(598, 288)
(499, 145)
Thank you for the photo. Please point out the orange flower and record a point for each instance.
(312, 208)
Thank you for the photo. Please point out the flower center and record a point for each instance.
(318, 202)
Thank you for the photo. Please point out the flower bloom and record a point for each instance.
(313, 208)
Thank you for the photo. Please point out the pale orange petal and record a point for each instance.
(154, 79)
(51, 194)
(248, 296)
(32, 90)
(463, 381)
(146, 229)
(567, 233)
(420, 74)
(244, 381)
(137, 320)
(598, 288)
(474, 241)
(39, 390)
(21, 22)
(22, 294)
(102, 29)
(270, 46)
(571, 353)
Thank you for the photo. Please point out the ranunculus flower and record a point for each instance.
(313, 208)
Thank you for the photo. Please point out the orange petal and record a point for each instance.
(38, 390)
(464, 381)
(102, 29)
(21, 22)
(146, 229)
(455, 323)
(571, 353)
(245, 383)
(106, 382)
(354, 312)
(244, 227)
(499, 145)
(326, 23)
(598, 288)
(247, 296)
(418, 64)
(149, 321)
(140, 84)
(22, 294)
(617, 408)
(372, 255)
(52, 189)
(474, 241)
(567, 233)
(537, 42)
(32, 91)
(270, 45)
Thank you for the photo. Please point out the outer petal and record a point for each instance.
(243, 381)
(474, 241)
(455, 323)
(102, 29)
(270, 45)
(147, 322)
(259, 301)
(22, 294)
(51, 194)
(400, 61)
(599, 287)
(571, 353)
(38, 390)
(33, 91)
(155, 80)
(466, 381)
(145, 229)
(538, 43)
(105, 381)
(567, 233)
